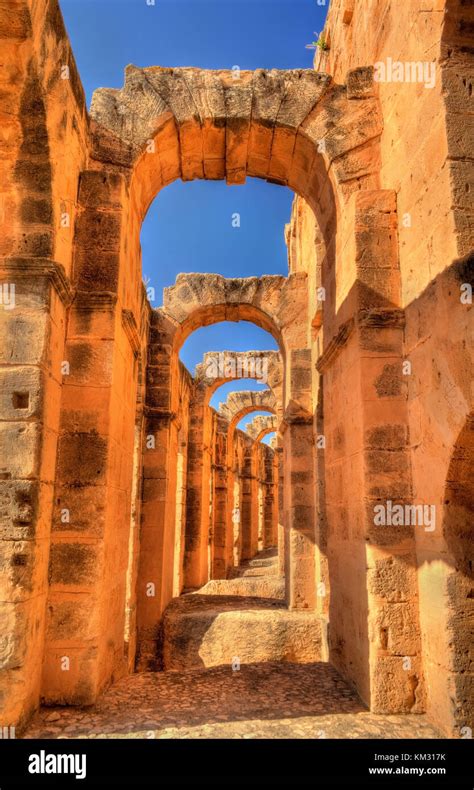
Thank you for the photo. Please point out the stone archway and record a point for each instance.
(217, 368)
(261, 426)
(266, 467)
(195, 301)
(238, 405)
(219, 124)
(279, 126)
(242, 402)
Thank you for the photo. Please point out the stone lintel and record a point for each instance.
(40, 268)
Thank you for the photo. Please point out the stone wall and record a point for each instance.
(426, 159)
(44, 126)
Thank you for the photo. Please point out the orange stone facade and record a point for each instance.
(120, 486)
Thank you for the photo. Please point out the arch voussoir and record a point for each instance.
(271, 124)
(238, 404)
(202, 299)
(218, 367)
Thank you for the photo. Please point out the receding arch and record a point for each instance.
(261, 426)
(218, 368)
(243, 402)
(197, 301)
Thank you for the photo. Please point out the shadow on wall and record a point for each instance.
(458, 533)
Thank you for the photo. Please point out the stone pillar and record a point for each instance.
(219, 554)
(155, 579)
(396, 682)
(35, 264)
(246, 482)
(298, 483)
(319, 450)
(275, 495)
(300, 527)
(235, 509)
(254, 493)
(259, 473)
(374, 631)
(196, 568)
(94, 477)
(280, 508)
(261, 536)
(32, 328)
(130, 637)
(157, 532)
(178, 574)
(269, 502)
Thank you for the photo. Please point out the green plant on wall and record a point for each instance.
(320, 42)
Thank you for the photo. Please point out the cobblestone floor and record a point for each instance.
(257, 701)
(265, 700)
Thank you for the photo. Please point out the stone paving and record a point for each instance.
(258, 701)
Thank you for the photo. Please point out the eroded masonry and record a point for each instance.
(120, 487)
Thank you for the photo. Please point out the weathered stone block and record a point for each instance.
(20, 450)
(74, 564)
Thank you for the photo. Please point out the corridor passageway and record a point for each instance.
(164, 566)
(273, 699)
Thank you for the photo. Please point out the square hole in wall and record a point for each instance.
(21, 400)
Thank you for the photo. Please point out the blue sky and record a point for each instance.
(189, 226)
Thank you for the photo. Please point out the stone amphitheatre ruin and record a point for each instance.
(121, 487)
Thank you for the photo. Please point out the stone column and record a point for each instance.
(261, 494)
(280, 508)
(300, 527)
(219, 566)
(130, 636)
(162, 430)
(269, 491)
(235, 509)
(276, 495)
(32, 328)
(196, 569)
(248, 508)
(254, 493)
(374, 630)
(35, 288)
(154, 584)
(180, 528)
(396, 681)
(94, 477)
(298, 479)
